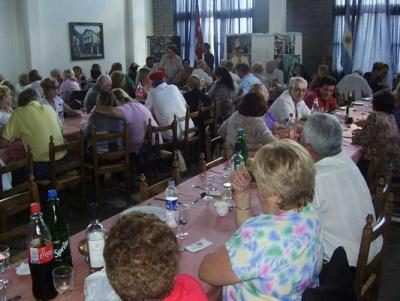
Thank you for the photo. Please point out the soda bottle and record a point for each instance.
(171, 194)
(95, 237)
(241, 139)
(59, 230)
(237, 159)
(349, 108)
(291, 125)
(139, 93)
(315, 107)
(40, 256)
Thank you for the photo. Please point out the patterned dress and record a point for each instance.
(276, 256)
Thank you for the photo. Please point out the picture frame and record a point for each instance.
(86, 40)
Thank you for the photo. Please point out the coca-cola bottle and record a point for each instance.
(40, 256)
(59, 230)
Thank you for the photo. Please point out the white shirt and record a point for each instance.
(236, 78)
(343, 201)
(4, 117)
(35, 86)
(165, 101)
(275, 75)
(284, 105)
(58, 105)
(354, 82)
(200, 73)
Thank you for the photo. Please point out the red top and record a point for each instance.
(186, 288)
(326, 106)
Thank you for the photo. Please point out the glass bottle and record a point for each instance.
(95, 237)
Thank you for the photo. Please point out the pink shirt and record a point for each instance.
(67, 87)
(186, 288)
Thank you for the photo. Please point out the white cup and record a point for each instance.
(222, 208)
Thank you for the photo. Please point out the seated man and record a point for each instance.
(195, 96)
(141, 261)
(202, 72)
(103, 83)
(291, 102)
(248, 78)
(34, 123)
(323, 94)
(376, 77)
(273, 74)
(354, 82)
(342, 198)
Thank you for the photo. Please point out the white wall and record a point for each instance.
(277, 16)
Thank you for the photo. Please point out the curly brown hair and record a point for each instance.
(141, 257)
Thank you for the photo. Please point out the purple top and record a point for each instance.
(137, 117)
(269, 121)
(67, 87)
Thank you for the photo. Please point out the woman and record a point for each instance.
(223, 91)
(68, 85)
(5, 105)
(130, 79)
(118, 80)
(250, 117)
(380, 129)
(142, 82)
(81, 78)
(278, 254)
(182, 76)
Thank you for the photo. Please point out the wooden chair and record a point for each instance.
(113, 161)
(147, 191)
(376, 167)
(16, 200)
(378, 199)
(368, 275)
(204, 166)
(191, 138)
(208, 119)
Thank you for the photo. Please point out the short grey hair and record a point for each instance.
(103, 78)
(323, 133)
(296, 79)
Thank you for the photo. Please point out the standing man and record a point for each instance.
(208, 57)
(171, 63)
(323, 94)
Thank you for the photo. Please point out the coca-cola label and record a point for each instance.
(41, 255)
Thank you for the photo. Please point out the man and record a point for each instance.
(229, 65)
(354, 82)
(150, 64)
(56, 73)
(376, 76)
(272, 73)
(342, 198)
(34, 123)
(239, 58)
(291, 102)
(323, 94)
(171, 63)
(202, 72)
(34, 82)
(208, 57)
(248, 78)
(166, 101)
(195, 96)
(103, 83)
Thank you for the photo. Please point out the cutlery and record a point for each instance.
(202, 195)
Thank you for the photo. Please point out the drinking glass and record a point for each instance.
(4, 259)
(209, 180)
(63, 279)
(182, 217)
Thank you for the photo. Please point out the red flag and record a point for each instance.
(199, 35)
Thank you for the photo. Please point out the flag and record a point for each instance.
(347, 42)
(198, 34)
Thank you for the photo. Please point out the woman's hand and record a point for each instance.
(241, 180)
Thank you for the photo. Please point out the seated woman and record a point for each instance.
(142, 84)
(141, 262)
(278, 254)
(195, 96)
(250, 117)
(69, 85)
(5, 105)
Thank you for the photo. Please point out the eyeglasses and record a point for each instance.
(300, 90)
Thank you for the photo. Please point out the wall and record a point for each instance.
(163, 17)
(277, 15)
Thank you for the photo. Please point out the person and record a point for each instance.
(397, 106)
(50, 87)
(208, 57)
(34, 123)
(5, 105)
(223, 91)
(277, 254)
(135, 114)
(273, 74)
(130, 79)
(258, 71)
(322, 71)
(180, 80)
(142, 79)
(117, 80)
(239, 57)
(291, 102)
(115, 67)
(354, 82)
(229, 65)
(68, 85)
(56, 73)
(10, 86)
(34, 82)
(342, 208)
(166, 101)
(323, 94)
(95, 72)
(202, 71)
(247, 78)
(249, 117)
(133, 242)
(376, 77)
(379, 130)
(171, 63)
(195, 96)
(23, 81)
(299, 71)
(103, 83)
(80, 77)
(150, 64)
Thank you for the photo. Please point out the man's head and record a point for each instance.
(157, 78)
(322, 136)
(258, 68)
(239, 51)
(34, 75)
(141, 257)
(150, 61)
(206, 47)
(203, 65)
(323, 70)
(194, 82)
(326, 87)
(186, 64)
(270, 66)
(104, 82)
(242, 70)
(95, 71)
(297, 88)
(380, 69)
(26, 97)
(23, 79)
(172, 50)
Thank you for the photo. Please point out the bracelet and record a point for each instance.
(243, 209)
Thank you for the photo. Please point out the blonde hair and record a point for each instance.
(142, 76)
(49, 83)
(121, 96)
(4, 91)
(258, 68)
(285, 169)
(69, 73)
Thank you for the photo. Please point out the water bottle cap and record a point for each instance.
(241, 131)
(52, 194)
(171, 183)
(35, 208)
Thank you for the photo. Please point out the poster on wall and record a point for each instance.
(158, 45)
(86, 40)
(284, 44)
(241, 42)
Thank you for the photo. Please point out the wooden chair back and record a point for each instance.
(191, 136)
(147, 191)
(376, 167)
(154, 132)
(204, 166)
(208, 119)
(368, 274)
(71, 172)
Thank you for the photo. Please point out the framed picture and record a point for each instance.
(86, 40)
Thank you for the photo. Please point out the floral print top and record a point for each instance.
(276, 256)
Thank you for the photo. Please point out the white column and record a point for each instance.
(277, 16)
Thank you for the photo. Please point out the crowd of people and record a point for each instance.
(276, 254)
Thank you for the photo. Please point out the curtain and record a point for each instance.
(217, 19)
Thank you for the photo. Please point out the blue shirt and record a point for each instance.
(247, 81)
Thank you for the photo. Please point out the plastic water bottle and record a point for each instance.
(171, 194)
